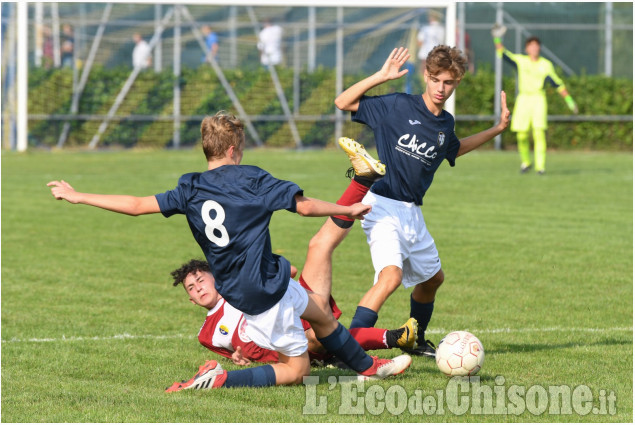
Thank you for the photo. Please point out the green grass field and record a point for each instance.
(540, 268)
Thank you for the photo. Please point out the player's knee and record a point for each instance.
(329, 321)
(322, 302)
(292, 370)
(430, 286)
(320, 242)
(390, 278)
(391, 274)
(303, 370)
(437, 280)
(314, 345)
(314, 243)
(323, 324)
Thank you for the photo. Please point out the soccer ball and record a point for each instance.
(460, 354)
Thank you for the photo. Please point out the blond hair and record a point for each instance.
(445, 58)
(219, 133)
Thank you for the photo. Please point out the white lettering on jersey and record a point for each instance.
(413, 144)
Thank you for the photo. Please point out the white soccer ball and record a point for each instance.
(460, 354)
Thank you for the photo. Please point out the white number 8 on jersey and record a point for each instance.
(215, 224)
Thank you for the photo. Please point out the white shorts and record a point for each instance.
(280, 328)
(397, 236)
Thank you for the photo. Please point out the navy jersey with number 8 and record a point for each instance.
(229, 209)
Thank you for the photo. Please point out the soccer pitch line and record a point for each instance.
(97, 338)
(534, 330)
(429, 331)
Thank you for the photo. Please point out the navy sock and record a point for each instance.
(341, 343)
(365, 181)
(364, 318)
(423, 313)
(344, 224)
(261, 376)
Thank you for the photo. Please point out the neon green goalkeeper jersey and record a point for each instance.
(533, 76)
(530, 110)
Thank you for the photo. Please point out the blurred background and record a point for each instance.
(84, 90)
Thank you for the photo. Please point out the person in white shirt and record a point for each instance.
(141, 55)
(429, 37)
(270, 44)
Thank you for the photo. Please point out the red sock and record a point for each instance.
(370, 338)
(353, 194)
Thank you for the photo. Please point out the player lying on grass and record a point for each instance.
(228, 208)
(224, 333)
(413, 134)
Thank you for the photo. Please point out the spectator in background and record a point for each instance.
(47, 48)
(141, 57)
(211, 43)
(68, 46)
(430, 36)
(270, 44)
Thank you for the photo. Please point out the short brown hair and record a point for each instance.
(219, 133)
(532, 39)
(446, 58)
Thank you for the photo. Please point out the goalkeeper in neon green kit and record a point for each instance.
(530, 110)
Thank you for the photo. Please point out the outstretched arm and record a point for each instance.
(124, 204)
(311, 207)
(474, 141)
(349, 99)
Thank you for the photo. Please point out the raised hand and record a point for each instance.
(504, 119)
(391, 68)
(498, 30)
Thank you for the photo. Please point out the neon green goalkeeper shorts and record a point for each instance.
(530, 111)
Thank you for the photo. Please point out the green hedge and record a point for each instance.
(594, 94)
(50, 92)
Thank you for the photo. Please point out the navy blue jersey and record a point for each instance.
(410, 140)
(228, 210)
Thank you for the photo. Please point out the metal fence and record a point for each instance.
(593, 38)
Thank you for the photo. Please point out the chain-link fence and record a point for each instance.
(84, 91)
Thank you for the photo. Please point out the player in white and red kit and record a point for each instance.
(224, 329)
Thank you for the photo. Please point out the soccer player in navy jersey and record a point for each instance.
(228, 208)
(413, 135)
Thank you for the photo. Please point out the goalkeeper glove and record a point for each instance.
(571, 104)
(498, 31)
